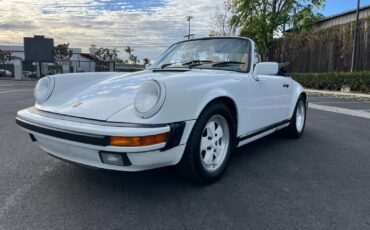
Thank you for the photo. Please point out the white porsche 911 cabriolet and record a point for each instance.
(200, 100)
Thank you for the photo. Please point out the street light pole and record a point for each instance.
(188, 18)
(354, 48)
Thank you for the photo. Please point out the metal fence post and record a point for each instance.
(354, 48)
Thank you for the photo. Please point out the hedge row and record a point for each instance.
(357, 81)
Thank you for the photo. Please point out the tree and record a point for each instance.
(131, 57)
(120, 61)
(146, 61)
(220, 19)
(129, 51)
(262, 19)
(5, 56)
(106, 54)
(304, 20)
(134, 59)
(62, 52)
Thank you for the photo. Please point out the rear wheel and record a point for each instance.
(298, 122)
(209, 145)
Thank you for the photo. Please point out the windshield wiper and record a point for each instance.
(168, 64)
(196, 63)
(190, 63)
(229, 63)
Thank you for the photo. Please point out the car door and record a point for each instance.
(267, 101)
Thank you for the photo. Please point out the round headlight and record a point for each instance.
(43, 89)
(149, 98)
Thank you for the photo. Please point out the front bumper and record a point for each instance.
(82, 141)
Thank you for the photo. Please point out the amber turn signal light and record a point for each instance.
(138, 141)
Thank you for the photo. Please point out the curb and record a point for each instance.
(338, 94)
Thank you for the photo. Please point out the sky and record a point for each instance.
(337, 6)
(148, 26)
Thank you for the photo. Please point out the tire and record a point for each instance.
(298, 121)
(207, 155)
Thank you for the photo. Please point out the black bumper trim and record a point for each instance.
(33, 139)
(67, 135)
(175, 135)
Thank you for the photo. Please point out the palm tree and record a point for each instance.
(146, 61)
(134, 59)
(129, 51)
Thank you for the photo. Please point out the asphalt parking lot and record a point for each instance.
(321, 181)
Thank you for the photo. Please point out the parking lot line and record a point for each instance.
(15, 90)
(337, 102)
(334, 109)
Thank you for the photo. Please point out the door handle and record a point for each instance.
(286, 85)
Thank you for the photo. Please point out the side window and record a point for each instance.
(245, 57)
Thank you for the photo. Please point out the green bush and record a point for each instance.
(357, 81)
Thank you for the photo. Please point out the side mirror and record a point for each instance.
(147, 66)
(266, 68)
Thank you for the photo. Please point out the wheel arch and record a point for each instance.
(294, 101)
(304, 95)
(230, 104)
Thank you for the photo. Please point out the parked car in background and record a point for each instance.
(29, 74)
(199, 101)
(5, 73)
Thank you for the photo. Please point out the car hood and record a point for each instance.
(100, 95)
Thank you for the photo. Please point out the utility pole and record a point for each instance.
(354, 48)
(188, 18)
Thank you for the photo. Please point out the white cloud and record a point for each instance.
(84, 22)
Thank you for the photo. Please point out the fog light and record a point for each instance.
(114, 158)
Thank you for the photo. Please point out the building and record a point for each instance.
(79, 62)
(328, 47)
(339, 19)
(82, 62)
(93, 49)
(342, 18)
(13, 66)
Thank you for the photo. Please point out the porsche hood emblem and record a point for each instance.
(76, 104)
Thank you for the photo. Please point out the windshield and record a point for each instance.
(214, 53)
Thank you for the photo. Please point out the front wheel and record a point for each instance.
(209, 145)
